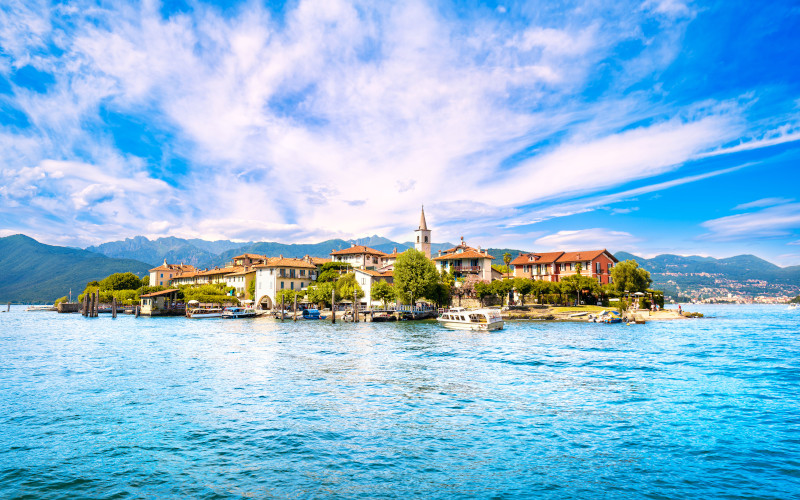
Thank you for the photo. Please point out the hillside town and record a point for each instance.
(259, 279)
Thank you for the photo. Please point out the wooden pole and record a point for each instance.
(333, 307)
(138, 311)
(8, 307)
(295, 308)
(283, 307)
(114, 307)
(355, 306)
(97, 304)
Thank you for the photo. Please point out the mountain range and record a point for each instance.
(32, 271)
(35, 272)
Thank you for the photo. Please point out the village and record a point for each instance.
(365, 279)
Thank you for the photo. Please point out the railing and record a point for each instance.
(467, 269)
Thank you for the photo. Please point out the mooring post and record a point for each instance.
(333, 306)
(114, 307)
(283, 307)
(137, 311)
(355, 306)
(295, 308)
(97, 304)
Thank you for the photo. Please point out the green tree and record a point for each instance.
(507, 261)
(346, 286)
(576, 284)
(320, 293)
(502, 288)
(441, 291)
(146, 280)
(121, 281)
(628, 276)
(483, 289)
(414, 275)
(61, 299)
(578, 268)
(330, 271)
(383, 292)
(251, 290)
(523, 286)
(287, 296)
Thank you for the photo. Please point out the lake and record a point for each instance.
(176, 408)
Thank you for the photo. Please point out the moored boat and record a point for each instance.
(204, 312)
(42, 308)
(238, 312)
(312, 314)
(477, 319)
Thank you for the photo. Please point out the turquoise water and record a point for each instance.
(176, 408)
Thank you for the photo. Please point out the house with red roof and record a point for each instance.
(359, 256)
(463, 261)
(553, 266)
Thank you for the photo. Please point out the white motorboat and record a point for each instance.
(42, 308)
(477, 319)
(204, 312)
(238, 312)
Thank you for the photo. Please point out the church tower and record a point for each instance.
(423, 243)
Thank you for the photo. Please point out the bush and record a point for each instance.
(61, 299)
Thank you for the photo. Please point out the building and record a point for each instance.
(240, 279)
(161, 275)
(280, 274)
(553, 266)
(359, 256)
(367, 278)
(163, 303)
(464, 261)
(248, 259)
(594, 263)
(536, 265)
(423, 236)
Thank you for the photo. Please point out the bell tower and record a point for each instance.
(423, 243)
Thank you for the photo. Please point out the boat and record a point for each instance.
(383, 317)
(42, 308)
(282, 314)
(312, 314)
(476, 319)
(238, 312)
(792, 307)
(204, 312)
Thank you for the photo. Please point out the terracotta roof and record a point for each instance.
(287, 262)
(173, 267)
(470, 253)
(219, 270)
(584, 255)
(162, 292)
(538, 258)
(388, 274)
(250, 256)
(318, 261)
(375, 274)
(357, 249)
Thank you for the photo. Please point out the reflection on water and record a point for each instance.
(169, 407)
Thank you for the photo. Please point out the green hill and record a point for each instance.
(35, 272)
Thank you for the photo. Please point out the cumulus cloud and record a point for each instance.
(339, 118)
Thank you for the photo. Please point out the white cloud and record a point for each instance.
(585, 239)
(781, 220)
(764, 202)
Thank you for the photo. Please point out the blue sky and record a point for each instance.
(651, 127)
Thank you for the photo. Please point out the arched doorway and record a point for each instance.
(265, 303)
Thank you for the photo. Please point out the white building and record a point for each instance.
(279, 274)
(366, 279)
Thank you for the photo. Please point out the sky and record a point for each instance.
(659, 126)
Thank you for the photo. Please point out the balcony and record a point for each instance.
(465, 269)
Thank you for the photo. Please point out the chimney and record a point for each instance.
(280, 256)
(579, 256)
(352, 245)
(440, 252)
(479, 249)
(395, 250)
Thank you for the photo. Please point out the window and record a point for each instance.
(610, 280)
(162, 275)
(281, 285)
(417, 239)
(302, 272)
(426, 239)
(291, 285)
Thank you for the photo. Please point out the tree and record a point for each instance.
(320, 293)
(414, 275)
(286, 296)
(483, 289)
(502, 288)
(507, 261)
(578, 268)
(346, 286)
(575, 284)
(251, 290)
(441, 291)
(61, 299)
(146, 280)
(628, 276)
(331, 271)
(121, 281)
(383, 292)
(523, 286)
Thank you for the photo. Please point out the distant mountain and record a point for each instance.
(202, 253)
(676, 274)
(35, 272)
(153, 252)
